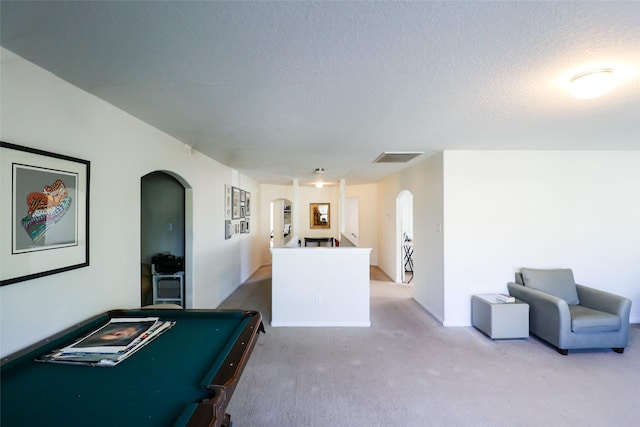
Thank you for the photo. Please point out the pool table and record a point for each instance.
(185, 377)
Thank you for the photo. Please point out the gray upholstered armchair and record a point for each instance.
(571, 316)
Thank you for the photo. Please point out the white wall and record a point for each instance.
(510, 209)
(503, 210)
(351, 220)
(424, 181)
(327, 194)
(367, 195)
(41, 111)
(334, 290)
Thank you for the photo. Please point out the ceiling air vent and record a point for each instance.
(397, 157)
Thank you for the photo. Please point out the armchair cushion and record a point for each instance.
(559, 283)
(584, 319)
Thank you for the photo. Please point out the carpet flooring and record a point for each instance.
(408, 370)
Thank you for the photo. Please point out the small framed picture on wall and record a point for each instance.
(235, 201)
(227, 202)
(227, 229)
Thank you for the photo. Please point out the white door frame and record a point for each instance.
(401, 205)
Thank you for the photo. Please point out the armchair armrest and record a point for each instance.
(604, 301)
(549, 316)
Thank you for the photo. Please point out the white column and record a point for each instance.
(343, 202)
(295, 209)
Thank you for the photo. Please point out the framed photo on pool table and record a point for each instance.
(44, 213)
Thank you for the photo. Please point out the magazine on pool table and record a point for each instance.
(111, 343)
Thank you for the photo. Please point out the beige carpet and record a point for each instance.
(408, 370)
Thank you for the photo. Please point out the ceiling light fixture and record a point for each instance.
(593, 83)
(319, 172)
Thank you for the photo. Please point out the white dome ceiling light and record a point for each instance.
(593, 83)
(319, 172)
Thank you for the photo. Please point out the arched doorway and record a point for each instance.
(404, 237)
(280, 222)
(165, 227)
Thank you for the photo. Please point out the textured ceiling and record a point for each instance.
(277, 89)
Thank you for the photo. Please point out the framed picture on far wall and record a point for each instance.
(319, 215)
(243, 196)
(227, 202)
(227, 229)
(44, 213)
(247, 204)
(235, 203)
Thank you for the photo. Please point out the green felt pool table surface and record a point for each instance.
(174, 380)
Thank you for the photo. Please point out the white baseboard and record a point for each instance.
(322, 324)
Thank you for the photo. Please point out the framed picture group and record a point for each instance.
(237, 211)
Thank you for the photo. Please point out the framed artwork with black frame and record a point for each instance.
(227, 229)
(243, 196)
(235, 202)
(44, 213)
(227, 202)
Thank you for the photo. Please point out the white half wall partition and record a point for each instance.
(320, 286)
